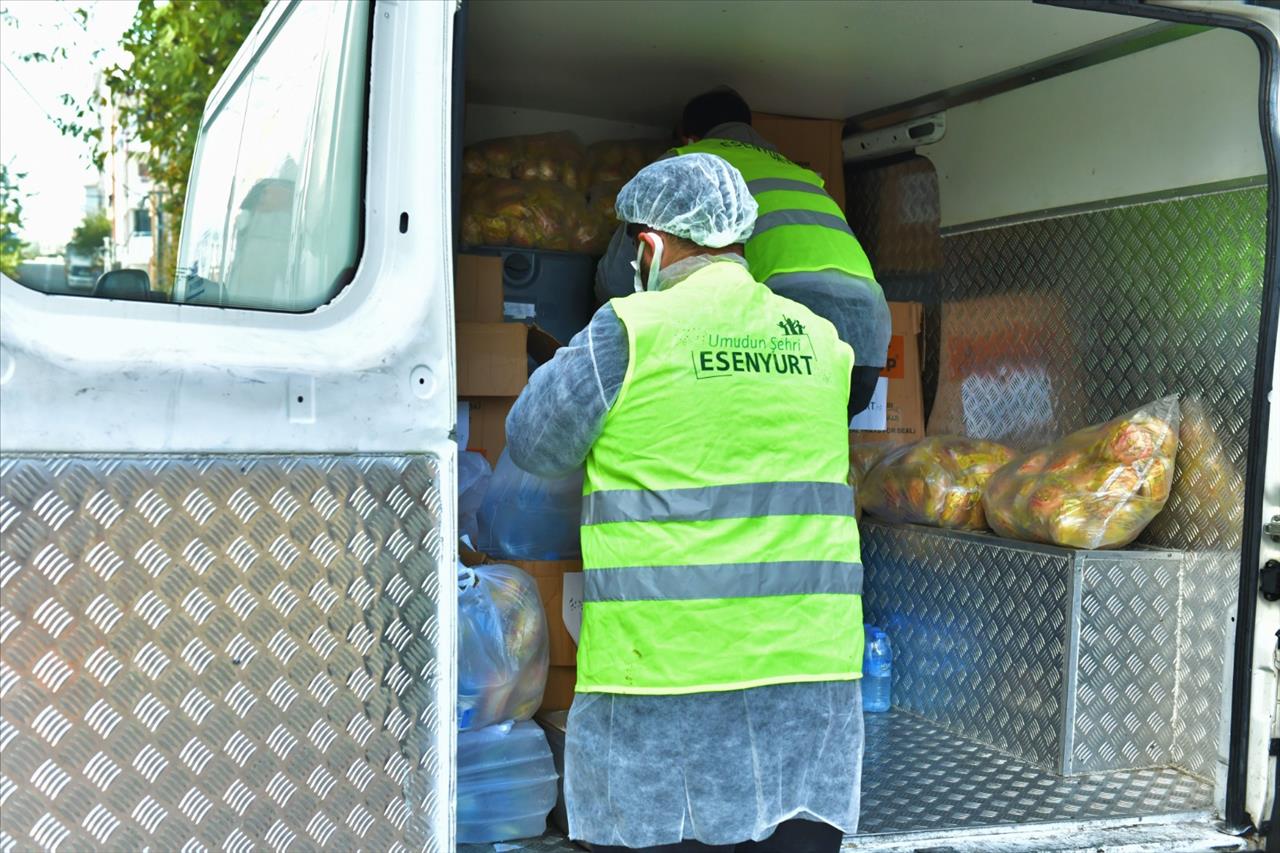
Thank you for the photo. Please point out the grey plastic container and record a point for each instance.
(555, 290)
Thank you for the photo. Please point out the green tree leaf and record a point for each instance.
(89, 234)
(13, 250)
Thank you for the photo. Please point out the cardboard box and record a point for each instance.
(904, 394)
(559, 693)
(488, 425)
(549, 575)
(493, 359)
(814, 143)
(477, 289)
(493, 368)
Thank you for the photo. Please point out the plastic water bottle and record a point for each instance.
(877, 671)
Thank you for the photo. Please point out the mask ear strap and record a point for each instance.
(637, 281)
(655, 242)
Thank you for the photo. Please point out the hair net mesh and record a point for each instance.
(699, 197)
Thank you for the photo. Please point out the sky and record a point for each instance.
(57, 166)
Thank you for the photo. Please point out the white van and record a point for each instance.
(226, 600)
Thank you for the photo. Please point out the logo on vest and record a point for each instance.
(791, 327)
(734, 143)
(789, 354)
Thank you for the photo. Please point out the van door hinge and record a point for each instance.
(1272, 528)
(1269, 580)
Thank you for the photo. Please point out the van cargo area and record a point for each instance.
(234, 503)
(1079, 202)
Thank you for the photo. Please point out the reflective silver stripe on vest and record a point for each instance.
(724, 580)
(742, 500)
(764, 185)
(779, 218)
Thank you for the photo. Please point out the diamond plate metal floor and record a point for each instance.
(917, 777)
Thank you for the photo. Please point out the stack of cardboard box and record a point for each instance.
(814, 143)
(897, 407)
(493, 368)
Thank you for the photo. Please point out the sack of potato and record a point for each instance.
(937, 481)
(616, 161)
(528, 214)
(602, 200)
(541, 157)
(1096, 488)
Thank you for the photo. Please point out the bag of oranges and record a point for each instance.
(1096, 488)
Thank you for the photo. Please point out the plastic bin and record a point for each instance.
(556, 290)
(507, 783)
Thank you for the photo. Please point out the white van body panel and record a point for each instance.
(1035, 148)
(373, 367)
(840, 59)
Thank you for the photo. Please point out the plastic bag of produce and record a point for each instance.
(618, 160)
(937, 481)
(495, 158)
(864, 453)
(502, 646)
(553, 157)
(528, 214)
(524, 517)
(602, 200)
(540, 157)
(1096, 488)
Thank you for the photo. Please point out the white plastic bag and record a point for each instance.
(524, 517)
(502, 646)
(473, 480)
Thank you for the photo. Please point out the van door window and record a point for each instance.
(273, 215)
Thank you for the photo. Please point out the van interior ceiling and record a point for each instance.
(1087, 234)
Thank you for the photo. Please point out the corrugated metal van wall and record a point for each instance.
(1037, 328)
(222, 653)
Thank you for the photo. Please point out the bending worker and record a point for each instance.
(718, 705)
(802, 247)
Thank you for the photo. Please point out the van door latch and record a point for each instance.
(1269, 580)
(1272, 528)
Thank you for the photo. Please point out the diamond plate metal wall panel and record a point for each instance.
(979, 633)
(1052, 325)
(223, 653)
(1067, 659)
(1127, 662)
(1207, 632)
(895, 211)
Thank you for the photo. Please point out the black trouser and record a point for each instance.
(792, 836)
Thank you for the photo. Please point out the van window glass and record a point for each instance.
(273, 215)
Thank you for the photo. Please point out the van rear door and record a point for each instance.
(227, 509)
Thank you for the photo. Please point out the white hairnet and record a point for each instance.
(699, 197)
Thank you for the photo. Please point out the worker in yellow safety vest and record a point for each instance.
(802, 246)
(718, 704)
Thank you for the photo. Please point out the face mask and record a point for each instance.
(656, 242)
